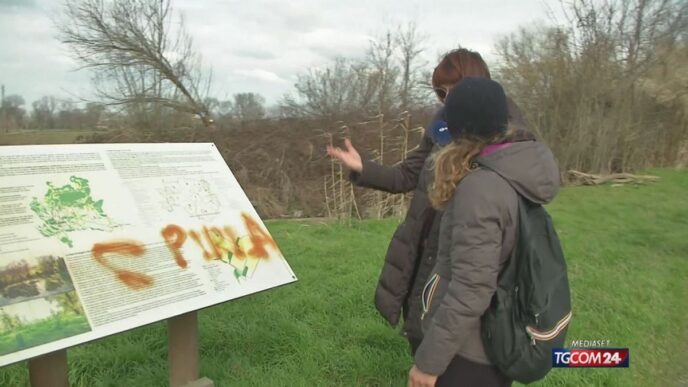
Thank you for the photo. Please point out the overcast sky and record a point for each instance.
(260, 45)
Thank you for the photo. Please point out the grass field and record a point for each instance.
(44, 331)
(627, 249)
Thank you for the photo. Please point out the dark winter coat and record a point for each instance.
(477, 235)
(411, 253)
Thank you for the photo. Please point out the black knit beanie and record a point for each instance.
(476, 107)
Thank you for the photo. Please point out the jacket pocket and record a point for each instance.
(539, 335)
(429, 293)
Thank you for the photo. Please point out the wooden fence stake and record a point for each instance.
(49, 370)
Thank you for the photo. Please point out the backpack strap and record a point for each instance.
(508, 272)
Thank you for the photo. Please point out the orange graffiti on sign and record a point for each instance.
(234, 243)
(214, 237)
(131, 279)
(197, 238)
(259, 238)
(215, 242)
(220, 242)
(175, 237)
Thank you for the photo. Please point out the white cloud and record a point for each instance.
(260, 45)
(16, 5)
(331, 43)
(261, 75)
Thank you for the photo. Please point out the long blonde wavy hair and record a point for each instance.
(454, 162)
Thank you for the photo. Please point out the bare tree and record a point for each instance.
(44, 110)
(340, 90)
(604, 88)
(630, 29)
(387, 81)
(248, 106)
(410, 45)
(140, 60)
(385, 70)
(12, 113)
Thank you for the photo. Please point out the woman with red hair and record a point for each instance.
(412, 251)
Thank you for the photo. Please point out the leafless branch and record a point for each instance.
(141, 55)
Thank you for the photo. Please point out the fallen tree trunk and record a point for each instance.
(580, 178)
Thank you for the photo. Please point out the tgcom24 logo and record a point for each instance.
(590, 357)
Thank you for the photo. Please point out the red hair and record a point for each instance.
(457, 64)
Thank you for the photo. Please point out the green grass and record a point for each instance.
(44, 331)
(627, 249)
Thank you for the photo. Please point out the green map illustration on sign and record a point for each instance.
(70, 208)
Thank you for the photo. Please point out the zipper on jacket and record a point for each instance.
(428, 293)
(552, 333)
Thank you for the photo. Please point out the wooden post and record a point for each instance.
(183, 351)
(49, 370)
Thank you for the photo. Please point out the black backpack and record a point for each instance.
(531, 309)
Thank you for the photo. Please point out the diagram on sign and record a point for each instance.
(68, 208)
(194, 196)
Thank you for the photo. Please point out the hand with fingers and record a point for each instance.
(418, 378)
(349, 156)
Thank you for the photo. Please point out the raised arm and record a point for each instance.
(398, 178)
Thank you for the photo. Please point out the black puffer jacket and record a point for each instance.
(411, 253)
(403, 274)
